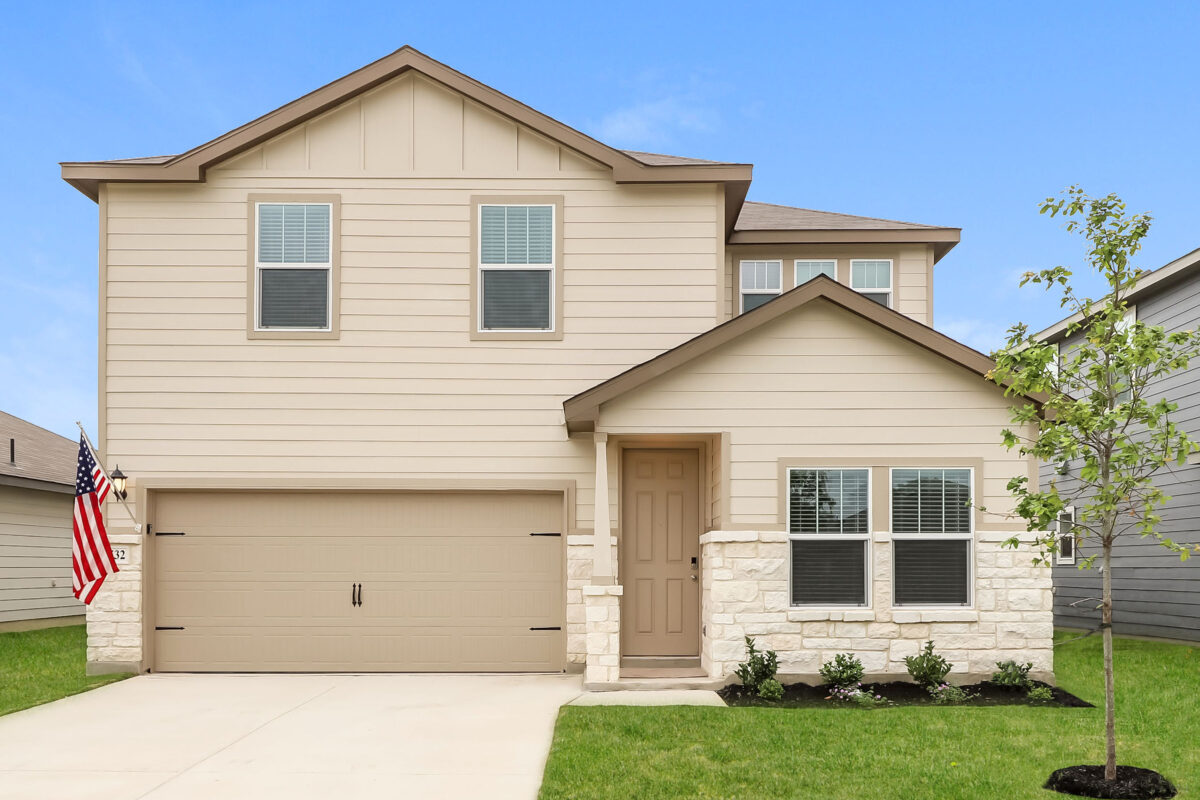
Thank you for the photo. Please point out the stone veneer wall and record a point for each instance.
(579, 574)
(746, 592)
(114, 619)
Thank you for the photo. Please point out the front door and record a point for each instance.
(660, 553)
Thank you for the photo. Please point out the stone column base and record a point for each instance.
(603, 608)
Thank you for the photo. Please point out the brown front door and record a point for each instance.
(660, 552)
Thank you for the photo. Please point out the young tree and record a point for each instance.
(1094, 410)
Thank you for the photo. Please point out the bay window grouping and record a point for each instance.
(830, 524)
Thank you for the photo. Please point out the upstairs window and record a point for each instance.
(806, 270)
(293, 266)
(873, 279)
(761, 281)
(829, 531)
(931, 537)
(516, 268)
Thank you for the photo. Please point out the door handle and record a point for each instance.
(693, 577)
(360, 594)
(353, 589)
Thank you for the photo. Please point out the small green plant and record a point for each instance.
(770, 689)
(927, 667)
(946, 695)
(1010, 673)
(844, 670)
(858, 695)
(1041, 694)
(758, 667)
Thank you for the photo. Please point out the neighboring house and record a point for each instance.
(409, 376)
(37, 501)
(1154, 592)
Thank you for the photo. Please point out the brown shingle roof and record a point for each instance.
(664, 160)
(771, 217)
(41, 455)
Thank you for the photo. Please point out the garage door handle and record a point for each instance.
(360, 594)
(353, 598)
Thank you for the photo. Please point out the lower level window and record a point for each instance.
(1066, 537)
(931, 537)
(829, 528)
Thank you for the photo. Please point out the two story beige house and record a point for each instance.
(409, 376)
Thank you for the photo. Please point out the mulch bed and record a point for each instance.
(903, 693)
(1132, 783)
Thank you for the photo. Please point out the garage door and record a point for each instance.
(359, 582)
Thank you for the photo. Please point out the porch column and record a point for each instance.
(602, 566)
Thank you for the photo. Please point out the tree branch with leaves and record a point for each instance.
(1096, 408)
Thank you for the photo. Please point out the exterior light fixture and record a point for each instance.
(118, 481)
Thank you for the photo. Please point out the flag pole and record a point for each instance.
(137, 526)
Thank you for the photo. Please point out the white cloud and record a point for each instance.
(653, 123)
(981, 334)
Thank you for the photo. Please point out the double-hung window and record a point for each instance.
(829, 528)
(1066, 537)
(873, 279)
(516, 290)
(761, 281)
(293, 266)
(807, 269)
(931, 537)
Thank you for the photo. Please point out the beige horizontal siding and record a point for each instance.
(850, 389)
(35, 555)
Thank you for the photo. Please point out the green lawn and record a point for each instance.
(39, 666)
(907, 752)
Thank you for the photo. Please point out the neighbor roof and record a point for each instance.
(1153, 281)
(583, 410)
(44, 460)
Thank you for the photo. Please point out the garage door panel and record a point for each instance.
(450, 582)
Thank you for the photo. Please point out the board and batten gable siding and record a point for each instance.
(823, 384)
(912, 271)
(35, 555)
(1154, 593)
(403, 391)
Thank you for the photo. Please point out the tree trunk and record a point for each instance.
(1110, 717)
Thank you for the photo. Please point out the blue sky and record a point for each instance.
(944, 113)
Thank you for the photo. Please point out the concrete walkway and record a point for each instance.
(193, 737)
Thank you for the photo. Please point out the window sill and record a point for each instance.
(516, 336)
(907, 614)
(292, 334)
(806, 614)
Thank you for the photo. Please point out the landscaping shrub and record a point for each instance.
(927, 668)
(770, 689)
(946, 695)
(1010, 673)
(858, 695)
(758, 667)
(845, 670)
(1041, 694)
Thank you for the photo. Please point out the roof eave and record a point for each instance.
(942, 239)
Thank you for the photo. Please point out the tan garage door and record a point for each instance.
(449, 582)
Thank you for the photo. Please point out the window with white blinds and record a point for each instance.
(931, 536)
(806, 270)
(761, 281)
(516, 268)
(873, 279)
(293, 265)
(828, 516)
(1066, 537)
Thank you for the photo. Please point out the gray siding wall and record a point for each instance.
(1154, 593)
(35, 555)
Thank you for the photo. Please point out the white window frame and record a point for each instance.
(890, 291)
(1058, 536)
(796, 268)
(743, 292)
(259, 266)
(551, 268)
(868, 558)
(937, 537)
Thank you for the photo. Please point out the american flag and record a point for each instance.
(91, 554)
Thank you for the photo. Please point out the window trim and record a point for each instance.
(333, 329)
(866, 538)
(941, 537)
(742, 292)
(555, 268)
(796, 262)
(1058, 556)
(890, 291)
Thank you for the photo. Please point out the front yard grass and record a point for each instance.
(903, 752)
(39, 666)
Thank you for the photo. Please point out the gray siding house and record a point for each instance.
(37, 500)
(1154, 593)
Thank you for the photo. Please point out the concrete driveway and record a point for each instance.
(169, 737)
